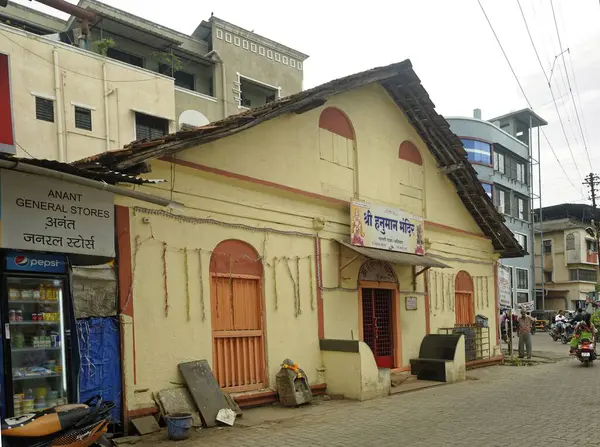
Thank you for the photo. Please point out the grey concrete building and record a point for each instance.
(218, 70)
(499, 151)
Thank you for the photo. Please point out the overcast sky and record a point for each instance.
(453, 51)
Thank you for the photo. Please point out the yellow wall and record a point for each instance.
(380, 127)
(286, 151)
(81, 82)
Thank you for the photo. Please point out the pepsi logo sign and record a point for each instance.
(44, 263)
(21, 261)
(24, 261)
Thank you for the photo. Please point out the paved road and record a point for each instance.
(505, 406)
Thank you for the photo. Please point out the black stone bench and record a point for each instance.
(437, 350)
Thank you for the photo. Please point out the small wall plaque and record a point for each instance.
(411, 303)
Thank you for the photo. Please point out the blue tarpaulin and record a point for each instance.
(100, 372)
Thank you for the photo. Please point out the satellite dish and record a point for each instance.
(192, 118)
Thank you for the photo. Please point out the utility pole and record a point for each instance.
(592, 181)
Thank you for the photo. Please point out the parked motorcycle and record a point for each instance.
(586, 351)
(567, 333)
(74, 425)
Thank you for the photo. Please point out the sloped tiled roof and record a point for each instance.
(100, 173)
(404, 87)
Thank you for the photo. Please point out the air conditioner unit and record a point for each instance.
(501, 209)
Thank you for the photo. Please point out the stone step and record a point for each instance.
(397, 378)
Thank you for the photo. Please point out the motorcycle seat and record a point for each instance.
(46, 422)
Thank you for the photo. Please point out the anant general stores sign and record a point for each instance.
(44, 214)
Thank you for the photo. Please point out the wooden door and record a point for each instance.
(238, 336)
(378, 332)
(464, 303)
(237, 317)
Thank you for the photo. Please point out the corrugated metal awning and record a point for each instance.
(395, 257)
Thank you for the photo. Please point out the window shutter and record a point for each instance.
(150, 127)
(83, 118)
(510, 204)
(141, 132)
(44, 109)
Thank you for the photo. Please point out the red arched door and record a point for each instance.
(237, 316)
(464, 304)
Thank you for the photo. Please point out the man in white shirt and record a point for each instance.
(560, 318)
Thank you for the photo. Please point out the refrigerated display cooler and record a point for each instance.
(41, 355)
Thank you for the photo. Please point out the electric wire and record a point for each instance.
(569, 85)
(525, 95)
(70, 70)
(562, 125)
(577, 93)
(26, 151)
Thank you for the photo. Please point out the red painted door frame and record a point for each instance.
(395, 360)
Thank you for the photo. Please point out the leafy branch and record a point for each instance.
(168, 59)
(103, 45)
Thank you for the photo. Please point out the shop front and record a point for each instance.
(47, 227)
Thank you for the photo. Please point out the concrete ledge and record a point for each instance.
(150, 411)
(412, 384)
(339, 345)
(255, 399)
(485, 362)
(354, 374)
(245, 400)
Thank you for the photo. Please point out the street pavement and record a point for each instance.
(543, 346)
(498, 406)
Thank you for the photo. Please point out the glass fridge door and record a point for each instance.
(37, 350)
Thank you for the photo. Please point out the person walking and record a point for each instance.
(526, 323)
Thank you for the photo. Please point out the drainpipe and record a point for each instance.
(65, 112)
(223, 80)
(62, 156)
(69, 8)
(118, 118)
(83, 14)
(106, 117)
(45, 172)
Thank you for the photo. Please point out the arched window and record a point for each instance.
(411, 178)
(377, 271)
(409, 152)
(335, 121)
(235, 257)
(336, 138)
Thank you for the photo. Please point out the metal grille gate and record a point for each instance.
(377, 325)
